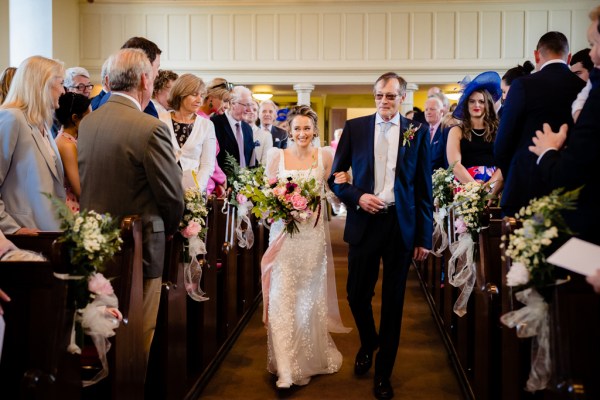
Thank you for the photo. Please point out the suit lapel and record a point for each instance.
(401, 148)
(43, 149)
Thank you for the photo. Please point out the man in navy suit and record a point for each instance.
(389, 217)
(267, 113)
(235, 135)
(434, 111)
(545, 96)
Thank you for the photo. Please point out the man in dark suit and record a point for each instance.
(389, 217)
(267, 113)
(127, 166)
(545, 96)
(233, 133)
(434, 111)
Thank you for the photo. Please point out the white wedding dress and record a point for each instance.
(300, 310)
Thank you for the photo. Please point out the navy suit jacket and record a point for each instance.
(576, 166)
(280, 137)
(104, 96)
(227, 141)
(412, 184)
(438, 148)
(545, 96)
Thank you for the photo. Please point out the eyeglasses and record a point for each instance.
(245, 105)
(388, 96)
(81, 87)
(225, 85)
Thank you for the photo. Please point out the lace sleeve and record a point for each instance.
(273, 157)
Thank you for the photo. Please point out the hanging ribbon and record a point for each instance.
(533, 321)
(462, 270)
(439, 237)
(192, 272)
(266, 265)
(245, 236)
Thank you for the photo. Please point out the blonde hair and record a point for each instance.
(219, 89)
(33, 74)
(185, 85)
(5, 81)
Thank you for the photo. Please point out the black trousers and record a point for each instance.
(381, 243)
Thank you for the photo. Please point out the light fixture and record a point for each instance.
(262, 96)
(454, 96)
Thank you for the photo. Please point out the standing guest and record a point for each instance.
(581, 64)
(263, 141)
(470, 146)
(512, 74)
(77, 80)
(233, 133)
(72, 108)
(390, 210)
(127, 166)
(192, 136)
(434, 111)
(5, 80)
(531, 101)
(101, 98)
(162, 88)
(216, 101)
(268, 113)
(29, 161)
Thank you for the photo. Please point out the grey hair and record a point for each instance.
(238, 92)
(72, 72)
(126, 69)
(264, 102)
(104, 74)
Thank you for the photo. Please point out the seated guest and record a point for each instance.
(470, 145)
(263, 141)
(216, 100)
(510, 76)
(72, 108)
(77, 80)
(29, 162)
(162, 89)
(192, 136)
(5, 80)
(268, 115)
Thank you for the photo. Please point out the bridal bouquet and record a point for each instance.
(292, 199)
(527, 248)
(443, 192)
(91, 240)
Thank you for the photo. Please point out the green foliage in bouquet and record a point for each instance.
(241, 180)
(443, 186)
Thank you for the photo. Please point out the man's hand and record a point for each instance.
(341, 177)
(547, 139)
(27, 231)
(420, 253)
(371, 203)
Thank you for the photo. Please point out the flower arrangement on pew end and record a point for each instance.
(240, 181)
(543, 228)
(291, 199)
(91, 239)
(470, 200)
(443, 192)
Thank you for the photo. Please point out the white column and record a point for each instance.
(303, 90)
(32, 34)
(409, 101)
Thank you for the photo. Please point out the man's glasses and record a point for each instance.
(388, 96)
(81, 87)
(225, 85)
(245, 105)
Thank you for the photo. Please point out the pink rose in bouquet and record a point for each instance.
(192, 229)
(299, 202)
(460, 226)
(272, 181)
(241, 199)
(279, 191)
(98, 284)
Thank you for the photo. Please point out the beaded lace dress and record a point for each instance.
(299, 343)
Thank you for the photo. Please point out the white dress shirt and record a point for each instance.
(393, 138)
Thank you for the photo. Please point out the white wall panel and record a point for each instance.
(309, 36)
(422, 36)
(287, 37)
(401, 36)
(377, 37)
(560, 21)
(445, 35)
(200, 37)
(179, 38)
(112, 34)
(90, 44)
(580, 22)
(221, 38)
(265, 37)
(244, 40)
(157, 31)
(355, 32)
(135, 25)
(491, 34)
(514, 31)
(332, 37)
(537, 25)
(468, 35)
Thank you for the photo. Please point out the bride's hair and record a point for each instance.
(304, 111)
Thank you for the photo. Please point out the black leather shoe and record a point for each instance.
(363, 362)
(382, 389)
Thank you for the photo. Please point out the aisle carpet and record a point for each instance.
(422, 369)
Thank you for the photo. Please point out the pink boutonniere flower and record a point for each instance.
(409, 134)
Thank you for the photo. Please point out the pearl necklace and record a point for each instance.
(477, 134)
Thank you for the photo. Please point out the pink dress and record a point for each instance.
(218, 177)
(71, 201)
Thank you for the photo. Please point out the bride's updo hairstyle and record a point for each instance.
(304, 111)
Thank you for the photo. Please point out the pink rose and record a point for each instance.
(460, 226)
(279, 191)
(241, 199)
(191, 230)
(98, 284)
(299, 202)
(272, 181)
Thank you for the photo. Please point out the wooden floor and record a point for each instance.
(422, 369)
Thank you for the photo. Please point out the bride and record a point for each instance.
(301, 302)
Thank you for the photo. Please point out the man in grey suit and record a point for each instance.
(127, 166)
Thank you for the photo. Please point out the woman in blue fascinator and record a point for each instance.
(470, 146)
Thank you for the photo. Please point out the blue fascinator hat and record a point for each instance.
(282, 114)
(489, 80)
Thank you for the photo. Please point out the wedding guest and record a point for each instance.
(77, 80)
(470, 146)
(269, 114)
(581, 64)
(30, 164)
(5, 81)
(193, 137)
(162, 88)
(512, 74)
(72, 108)
(301, 305)
(263, 141)
(101, 98)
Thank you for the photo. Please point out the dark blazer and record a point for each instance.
(577, 165)
(438, 148)
(227, 141)
(103, 97)
(280, 137)
(127, 166)
(412, 186)
(545, 96)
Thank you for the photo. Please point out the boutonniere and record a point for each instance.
(256, 143)
(409, 134)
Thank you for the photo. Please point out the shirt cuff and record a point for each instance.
(542, 155)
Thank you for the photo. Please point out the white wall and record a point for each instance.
(30, 29)
(332, 41)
